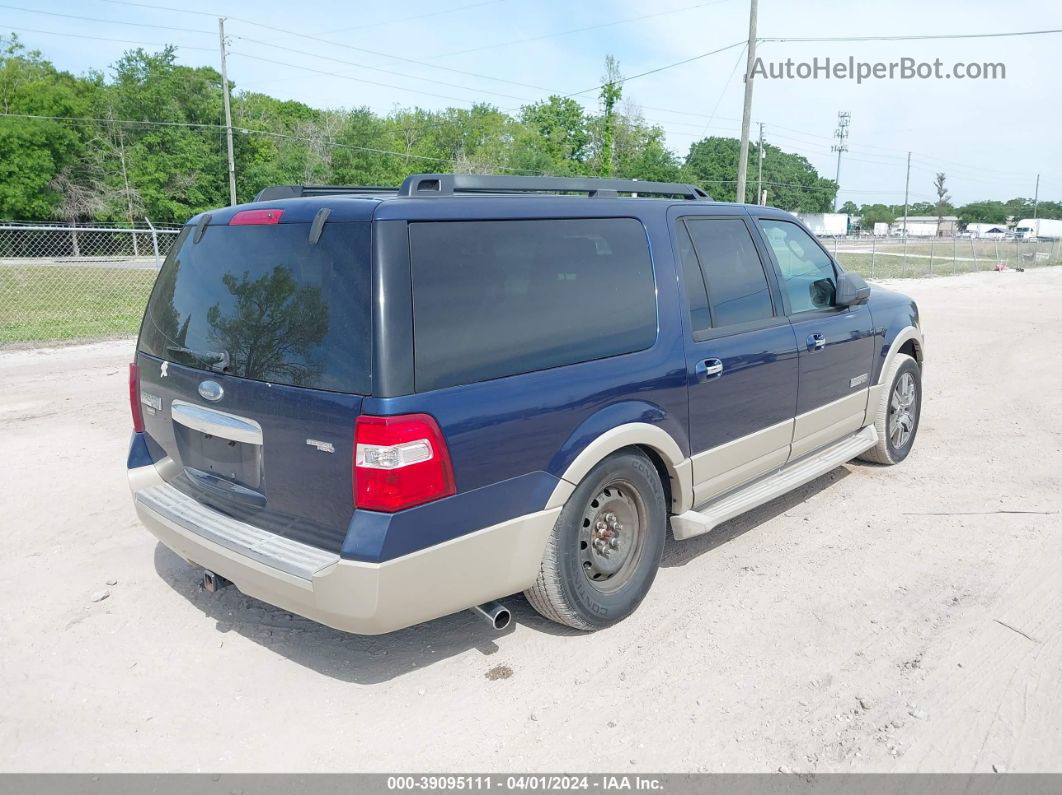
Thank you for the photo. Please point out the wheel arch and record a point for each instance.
(909, 341)
(674, 467)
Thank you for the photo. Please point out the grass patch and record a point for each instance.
(52, 304)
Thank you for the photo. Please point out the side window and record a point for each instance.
(497, 298)
(808, 276)
(696, 294)
(737, 283)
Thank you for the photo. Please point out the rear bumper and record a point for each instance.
(364, 598)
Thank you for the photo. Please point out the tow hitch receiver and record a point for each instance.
(212, 583)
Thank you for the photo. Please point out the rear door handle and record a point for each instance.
(708, 368)
(816, 342)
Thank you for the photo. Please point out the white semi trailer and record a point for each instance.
(1041, 228)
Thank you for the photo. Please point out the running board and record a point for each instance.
(792, 475)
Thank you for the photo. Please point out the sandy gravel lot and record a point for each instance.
(879, 619)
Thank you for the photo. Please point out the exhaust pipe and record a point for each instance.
(212, 583)
(494, 613)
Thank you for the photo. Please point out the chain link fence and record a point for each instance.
(61, 282)
(86, 282)
(914, 257)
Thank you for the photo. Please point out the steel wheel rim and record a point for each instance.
(612, 536)
(902, 411)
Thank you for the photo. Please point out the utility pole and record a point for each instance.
(1036, 196)
(841, 134)
(743, 156)
(906, 189)
(759, 176)
(228, 111)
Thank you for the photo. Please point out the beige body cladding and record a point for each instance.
(365, 598)
(373, 598)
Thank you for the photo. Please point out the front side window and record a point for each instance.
(737, 284)
(808, 276)
(497, 298)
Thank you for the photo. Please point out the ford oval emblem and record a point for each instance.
(211, 390)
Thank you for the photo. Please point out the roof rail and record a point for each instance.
(296, 191)
(449, 184)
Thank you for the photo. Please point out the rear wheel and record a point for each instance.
(605, 548)
(897, 413)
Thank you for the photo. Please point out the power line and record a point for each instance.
(343, 30)
(722, 93)
(915, 37)
(577, 30)
(417, 16)
(374, 68)
(106, 21)
(360, 79)
(661, 68)
(247, 130)
(117, 41)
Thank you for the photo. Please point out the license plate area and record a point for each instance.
(219, 451)
(238, 462)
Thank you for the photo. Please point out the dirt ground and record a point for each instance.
(878, 619)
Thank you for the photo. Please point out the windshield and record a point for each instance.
(261, 302)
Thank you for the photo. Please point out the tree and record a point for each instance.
(611, 91)
(34, 151)
(983, 212)
(145, 138)
(791, 181)
(561, 126)
(943, 205)
(877, 214)
(849, 207)
(179, 167)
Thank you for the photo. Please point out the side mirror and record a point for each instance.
(852, 290)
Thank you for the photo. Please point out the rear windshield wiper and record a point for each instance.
(216, 360)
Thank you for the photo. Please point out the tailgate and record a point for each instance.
(253, 360)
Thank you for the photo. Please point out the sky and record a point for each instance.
(990, 137)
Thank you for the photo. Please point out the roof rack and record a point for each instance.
(429, 185)
(448, 184)
(275, 192)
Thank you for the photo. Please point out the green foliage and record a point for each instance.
(871, 214)
(849, 207)
(985, 212)
(790, 180)
(34, 151)
(107, 163)
(611, 91)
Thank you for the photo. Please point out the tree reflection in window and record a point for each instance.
(272, 328)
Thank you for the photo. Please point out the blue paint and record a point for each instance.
(511, 439)
(139, 455)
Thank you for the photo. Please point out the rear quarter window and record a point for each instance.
(498, 298)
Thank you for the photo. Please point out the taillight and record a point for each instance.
(400, 462)
(246, 217)
(134, 398)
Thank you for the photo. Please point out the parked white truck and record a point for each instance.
(825, 224)
(1039, 228)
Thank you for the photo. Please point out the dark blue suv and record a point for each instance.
(375, 407)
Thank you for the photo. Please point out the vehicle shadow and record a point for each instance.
(372, 659)
(679, 553)
(360, 659)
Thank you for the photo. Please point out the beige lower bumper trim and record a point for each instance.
(374, 598)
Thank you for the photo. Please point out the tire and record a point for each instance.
(605, 548)
(902, 399)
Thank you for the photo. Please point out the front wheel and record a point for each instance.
(605, 548)
(897, 414)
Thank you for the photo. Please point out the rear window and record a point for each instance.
(260, 302)
(497, 298)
